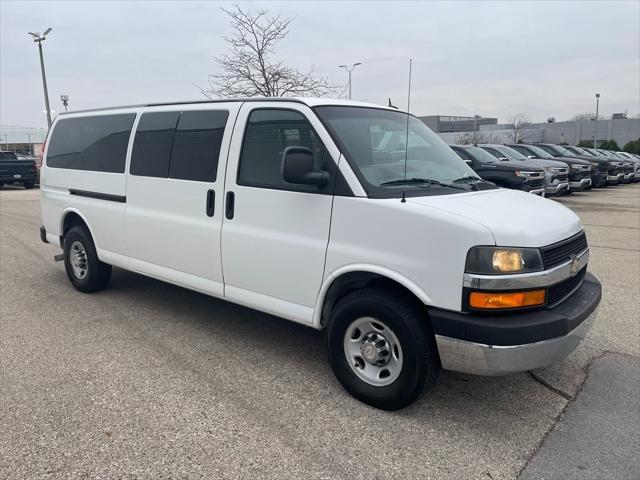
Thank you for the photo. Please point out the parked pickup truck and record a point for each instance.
(599, 166)
(508, 174)
(556, 174)
(579, 170)
(614, 173)
(13, 170)
(347, 217)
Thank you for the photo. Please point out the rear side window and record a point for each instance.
(181, 145)
(268, 133)
(196, 145)
(152, 145)
(96, 143)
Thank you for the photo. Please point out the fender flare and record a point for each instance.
(368, 268)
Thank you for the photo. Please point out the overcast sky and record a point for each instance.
(486, 58)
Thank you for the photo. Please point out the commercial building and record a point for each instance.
(22, 140)
(622, 130)
(452, 123)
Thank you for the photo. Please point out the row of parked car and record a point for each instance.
(546, 169)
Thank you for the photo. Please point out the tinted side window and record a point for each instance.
(494, 152)
(196, 145)
(268, 133)
(462, 153)
(152, 145)
(96, 143)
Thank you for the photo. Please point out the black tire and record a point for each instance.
(97, 274)
(421, 363)
(27, 185)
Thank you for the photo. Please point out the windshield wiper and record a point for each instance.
(414, 180)
(468, 178)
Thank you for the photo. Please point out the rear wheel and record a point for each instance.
(381, 348)
(85, 271)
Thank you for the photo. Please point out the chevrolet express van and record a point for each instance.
(343, 216)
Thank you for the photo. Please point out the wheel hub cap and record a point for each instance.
(78, 260)
(373, 351)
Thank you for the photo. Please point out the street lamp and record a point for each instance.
(65, 101)
(353, 67)
(595, 125)
(38, 38)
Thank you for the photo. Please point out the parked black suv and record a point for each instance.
(14, 170)
(600, 166)
(579, 170)
(515, 175)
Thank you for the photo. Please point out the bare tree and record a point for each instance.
(583, 117)
(518, 123)
(249, 70)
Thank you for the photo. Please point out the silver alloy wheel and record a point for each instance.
(373, 351)
(78, 260)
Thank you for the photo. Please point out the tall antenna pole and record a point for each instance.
(406, 142)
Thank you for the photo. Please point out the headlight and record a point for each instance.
(497, 260)
(523, 174)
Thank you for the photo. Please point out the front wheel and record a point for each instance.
(27, 185)
(381, 348)
(85, 270)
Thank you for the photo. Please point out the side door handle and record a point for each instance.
(229, 208)
(211, 203)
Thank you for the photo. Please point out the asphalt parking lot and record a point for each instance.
(148, 380)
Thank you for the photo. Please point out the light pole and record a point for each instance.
(65, 101)
(595, 125)
(37, 38)
(349, 70)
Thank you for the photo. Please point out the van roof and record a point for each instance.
(309, 101)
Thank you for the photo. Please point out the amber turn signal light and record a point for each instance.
(494, 300)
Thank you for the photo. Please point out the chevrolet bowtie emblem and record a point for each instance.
(575, 265)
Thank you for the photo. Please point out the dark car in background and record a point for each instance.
(635, 163)
(615, 173)
(16, 171)
(579, 170)
(599, 166)
(627, 164)
(615, 161)
(508, 174)
(556, 174)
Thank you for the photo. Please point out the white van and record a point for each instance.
(342, 216)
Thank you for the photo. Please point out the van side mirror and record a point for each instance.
(297, 167)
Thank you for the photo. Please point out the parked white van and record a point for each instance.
(343, 216)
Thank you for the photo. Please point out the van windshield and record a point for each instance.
(376, 143)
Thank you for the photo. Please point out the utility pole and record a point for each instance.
(37, 38)
(65, 101)
(353, 67)
(595, 125)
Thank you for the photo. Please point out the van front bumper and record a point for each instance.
(504, 344)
